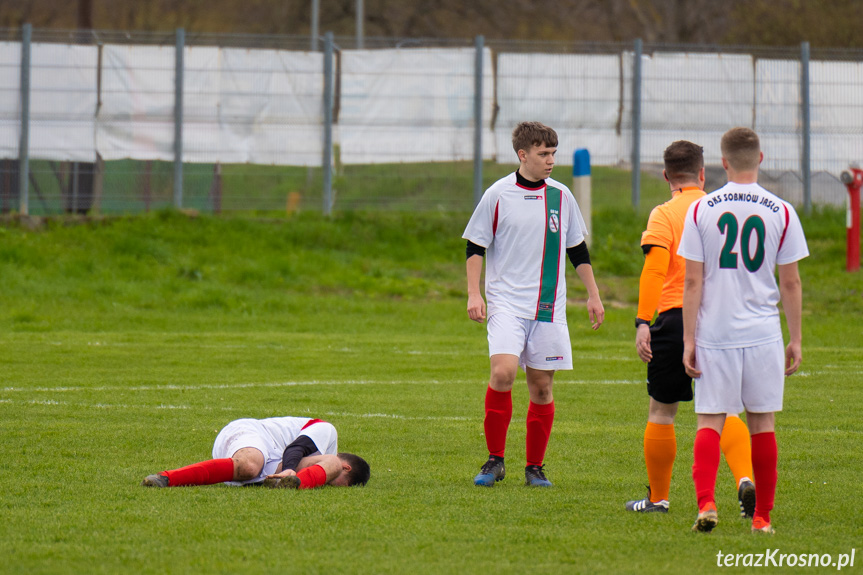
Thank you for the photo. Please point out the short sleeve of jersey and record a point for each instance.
(691, 246)
(324, 436)
(659, 231)
(577, 230)
(480, 228)
(793, 246)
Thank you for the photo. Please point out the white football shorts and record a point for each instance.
(537, 344)
(244, 433)
(751, 378)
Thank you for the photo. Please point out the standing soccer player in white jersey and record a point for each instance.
(527, 223)
(733, 240)
(287, 452)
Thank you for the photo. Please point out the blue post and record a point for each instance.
(581, 186)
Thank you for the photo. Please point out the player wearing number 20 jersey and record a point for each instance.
(745, 231)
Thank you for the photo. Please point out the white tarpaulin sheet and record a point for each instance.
(136, 118)
(693, 96)
(239, 106)
(777, 113)
(836, 114)
(412, 105)
(10, 99)
(63, 82)
(577, 95)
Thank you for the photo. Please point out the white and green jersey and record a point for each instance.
(526, 232)
(740, 232)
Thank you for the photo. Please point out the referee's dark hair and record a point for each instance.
(683, 161)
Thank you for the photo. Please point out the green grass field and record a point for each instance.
(127, 343)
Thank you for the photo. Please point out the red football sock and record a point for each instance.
(203, 473)
(764, 459)
(498, 413)
(705, 465)
(312, 477)
(539, 421)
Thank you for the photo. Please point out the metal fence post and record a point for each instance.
(328, 123)
(477, 121)
(806, 148)
(178, 119)
(361, 17)
(24, 144)
(636, 124)
(316, 11)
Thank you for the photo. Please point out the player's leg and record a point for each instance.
(660, 450)
(667, 386)
(498, 402)
(763, 389)
(705, 466)
(717, 392)
(737, 448)
(506, 336)
(540, 419)
(547, 350)
(201, 473)
(238, 455)
(764, 464)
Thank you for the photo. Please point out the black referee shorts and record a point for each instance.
(667, 381)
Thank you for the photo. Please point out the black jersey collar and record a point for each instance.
(525, 183)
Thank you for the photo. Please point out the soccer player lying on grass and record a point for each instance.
(278, 452)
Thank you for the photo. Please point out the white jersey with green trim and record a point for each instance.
(741, 232)
(526, 232)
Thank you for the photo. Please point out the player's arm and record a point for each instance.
(692, 291)
(580, 258)
(656, 259)
(791, 292)
(475, 304)
(331, 464)
(294, 453)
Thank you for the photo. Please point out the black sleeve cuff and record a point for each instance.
(473, 250)
(639, 321)
(578, 254)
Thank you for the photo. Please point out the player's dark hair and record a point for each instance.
(741, 148)
(683, 161)
(529, 134)
(360, 470)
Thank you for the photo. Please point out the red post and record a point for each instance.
(853, 180)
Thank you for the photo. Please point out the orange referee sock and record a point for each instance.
(660, 449)
(737, 448)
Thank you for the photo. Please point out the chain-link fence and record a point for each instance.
(122, 122)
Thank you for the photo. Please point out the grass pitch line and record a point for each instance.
(175, 387)
(207, 408)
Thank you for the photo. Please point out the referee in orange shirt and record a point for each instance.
(660, 345)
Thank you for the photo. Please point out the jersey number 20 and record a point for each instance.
(728, 226)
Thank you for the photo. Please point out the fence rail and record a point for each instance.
(131, 121)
